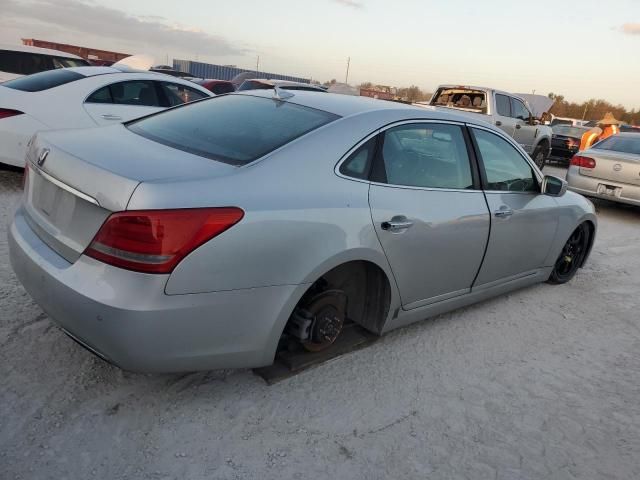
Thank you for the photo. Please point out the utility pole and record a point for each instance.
(584, 114)
(258, 65)
(346, 78)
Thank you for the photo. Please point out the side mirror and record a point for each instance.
(533, 120)
(554, 186)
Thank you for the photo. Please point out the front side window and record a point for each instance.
(505, 167)
(518, 110)
(178, 94)
(503, 106)
(234, 129)
(426, 155)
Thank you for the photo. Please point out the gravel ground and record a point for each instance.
(541, 383)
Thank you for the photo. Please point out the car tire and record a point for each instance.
(539, 156)
(572, 256)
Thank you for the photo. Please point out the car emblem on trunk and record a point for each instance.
(43, 156)
(617, 167)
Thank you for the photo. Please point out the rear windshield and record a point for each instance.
(43, 80)
(27, 63)
(234, 129)
(469, 99)
(616, 143)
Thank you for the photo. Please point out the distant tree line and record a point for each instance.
(592, 110)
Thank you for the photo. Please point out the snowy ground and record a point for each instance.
(542, 383)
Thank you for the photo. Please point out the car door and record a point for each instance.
(524, 133)
(123, 101)
(523, 220)
(429, 214)
(502, 113)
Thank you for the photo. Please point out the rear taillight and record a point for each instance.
(7, 112)
(155, 241)
(583, 162)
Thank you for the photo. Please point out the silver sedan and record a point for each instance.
(202, 236)
(610, 169)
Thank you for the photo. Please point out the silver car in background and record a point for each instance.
(202, 236)
(610, 169)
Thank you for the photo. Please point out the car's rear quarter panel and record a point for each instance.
(301, 219)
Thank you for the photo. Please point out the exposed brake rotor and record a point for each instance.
(319, 322)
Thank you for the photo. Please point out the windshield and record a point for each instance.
(461, 98)
(569, 131)
(617, 143)
(234, 129)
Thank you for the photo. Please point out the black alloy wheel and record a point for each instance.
(572, 255)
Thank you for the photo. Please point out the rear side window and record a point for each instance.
(234, 129)
(43, 80)
(503, 105)
(136, 92)
(426, 155)
(358, 163)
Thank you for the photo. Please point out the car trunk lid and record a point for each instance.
(614, 166)
(78, 178)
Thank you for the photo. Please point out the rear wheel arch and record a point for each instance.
(367, 286)
(592, 238)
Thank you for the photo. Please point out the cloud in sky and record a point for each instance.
(350, 3)
(88, 18)
(631, 28)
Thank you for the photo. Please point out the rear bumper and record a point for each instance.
(126, 318)
(588, 186)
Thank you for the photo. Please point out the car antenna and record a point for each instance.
(280, 94)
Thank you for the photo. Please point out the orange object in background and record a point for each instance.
(606, 127)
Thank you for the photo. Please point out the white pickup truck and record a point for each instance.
(505, 110)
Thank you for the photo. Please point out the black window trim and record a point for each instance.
(483, 173)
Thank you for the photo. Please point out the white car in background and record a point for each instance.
(19, 60)
(82, 97)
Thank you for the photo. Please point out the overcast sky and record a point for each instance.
(581, 49)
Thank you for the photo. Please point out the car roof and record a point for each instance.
(43, 51)
(349, 105)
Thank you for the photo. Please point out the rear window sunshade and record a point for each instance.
(234, 129)
(43, 80)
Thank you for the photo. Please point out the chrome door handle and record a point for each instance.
(396, 224)
(503, 212)
(109, 116)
